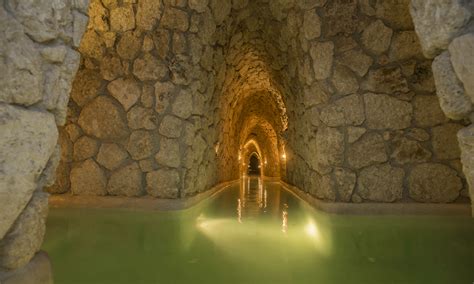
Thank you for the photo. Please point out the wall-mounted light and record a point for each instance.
(283, 156)
(216, 147)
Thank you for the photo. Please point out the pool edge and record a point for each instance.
(397, 209)
(146, 203)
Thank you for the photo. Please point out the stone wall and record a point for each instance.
(446, 32)
(135, 118)
(368, 126)
(336, 95)
(38, 62)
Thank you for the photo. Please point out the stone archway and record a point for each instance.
(158, 102)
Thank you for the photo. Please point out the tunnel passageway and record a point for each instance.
(334, 96)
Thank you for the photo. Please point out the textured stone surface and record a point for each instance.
(149, 68)
(466, 143)
(346, 111)
(322, 55)
(103, 119)
(122, 18)
(220, 9)
(126, 181)
(62, 183)
(25, 237)
(87, 178)
(462, 58)
(357, 61)
(85, 86)
(454, 103)
(198, 5)
(445, 143)
(354, 133)
(129, 45)
(329, 149)
(169, 154)
(385, 112)
(311, 25)
(175, 19)
(422, 79)
(377, 37)
(418, 134)
(388, 80)
(405, 45)
(28, 140)
(369, 149)
(344, 80)
(345, 181)
(438, 22)
(37, 271)
(382, 183)
(341, 17)
(140, 145)
(434, 183)
(409, 151)
(92, 45)
(427, 111)
(126, 91)
(141, 118)
(325, 189)
(111, 156)
(85, 148)
(163, 183)
(183, 105)
(110, 68)
(148, 13)
(395, 13)
(171, 127)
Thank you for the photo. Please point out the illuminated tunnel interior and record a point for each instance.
(355, 106)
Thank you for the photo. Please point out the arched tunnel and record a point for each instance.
(349, 103)
(334, 94)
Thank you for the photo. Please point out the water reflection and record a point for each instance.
(287, 242)
(284, 217)
(252, 200)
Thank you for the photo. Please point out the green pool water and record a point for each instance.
(256, 232)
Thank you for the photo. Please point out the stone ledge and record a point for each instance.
(146, 203)
(37, 271)
(449, 209)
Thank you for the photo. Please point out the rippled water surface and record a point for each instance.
(256, 232)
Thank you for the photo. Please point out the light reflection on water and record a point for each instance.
(256, 232)
(252, 212)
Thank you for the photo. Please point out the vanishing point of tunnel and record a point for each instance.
(356, 106)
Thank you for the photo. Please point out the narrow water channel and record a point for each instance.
(256, 232)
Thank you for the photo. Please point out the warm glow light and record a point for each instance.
(311, 229)
(239, 210)
(283, 156)
(284, 216)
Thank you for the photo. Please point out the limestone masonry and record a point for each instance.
(348, 100)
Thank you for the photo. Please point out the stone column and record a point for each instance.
(445, 30)
(38, 62)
